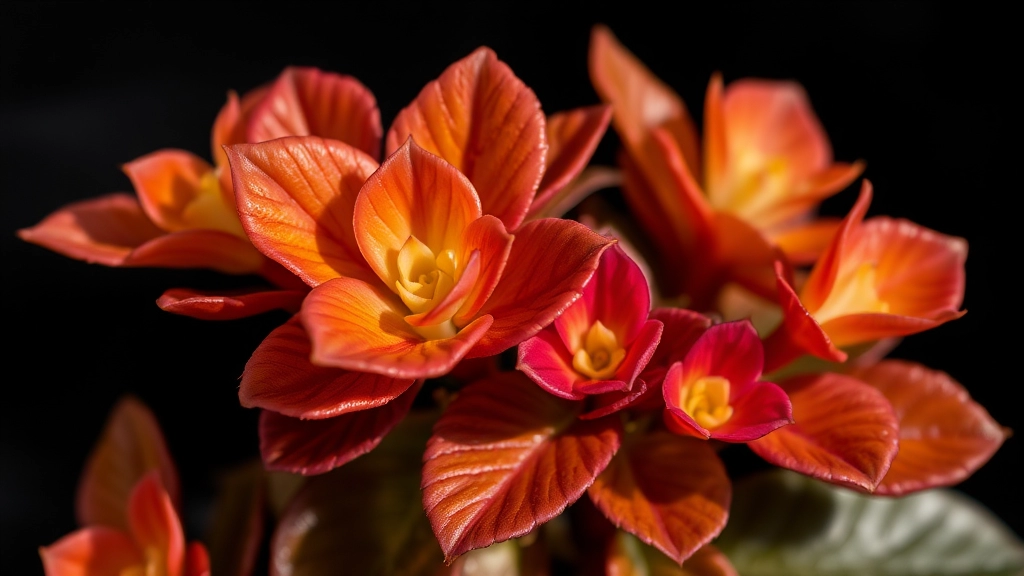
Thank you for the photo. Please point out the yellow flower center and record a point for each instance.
(600, 355)
(707, 401)
(854, 292)
(209, 210)
(424, 279)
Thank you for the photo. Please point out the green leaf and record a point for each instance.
(785, 524)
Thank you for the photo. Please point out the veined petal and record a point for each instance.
(180, 191)
(640, 351)
(222, 306)
(545, 360)
(573, 137)
(100, 230)
(731, 350)
(130, 447)
(506, 457)
(671, 492)
(761, 408)
(311, 447)
(640, 101)
(682, 328)
(359, 327)
(944, 435)
(306, 101)
(487, 236)
(550, 262)
(483, 120)
(211, 249)
(414, 193)
(155, 526)
(279, 377)
(93, 551)
(845, 432)
(296, 197)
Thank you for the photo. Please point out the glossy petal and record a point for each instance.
(483, 120)
(306, 101)
(573, 137)
(617, 295)
(362, 328)
(197, 560)
(798, 334)
(414, 193)
(845, 432)
(550, 262)
(93, 551)
(486, 235)
(505, 457)
(545, 360)
(130, 447)
(223, 306)
(640, 351)
(316, 446)
(229, 128)
(279, 377)
(211, 249)
(681, 330)
(944, 435)
(671, 492)
(179, 191)
(731, 350)
(295, 198)
(611, 402)
(155, 526)
(823, 276)
(100, 230)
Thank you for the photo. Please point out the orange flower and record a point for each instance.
(766, 164)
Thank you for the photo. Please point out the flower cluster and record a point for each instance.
(430, 269)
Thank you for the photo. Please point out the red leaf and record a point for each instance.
(507, 457)
(671, 492)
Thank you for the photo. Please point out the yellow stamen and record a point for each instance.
(210, 210)
(707, 401)
(600, 355)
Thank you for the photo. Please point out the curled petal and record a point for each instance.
(130, 447)
(483, 120)
(681, 330)
(944, 435)
(799, 333)
(311, 447)
(506, 457)
(155, 526)
(671, 492)
(362, 328)
(221, 306)
(845, 432)
(823, 277)
(487, 236)
(550, 262)
(573, 137)
(295, 198)
(211, 249)
(279, 377)
(93, 551)
(417, 194)
(307, 101)
(545, 360)
(101, 230)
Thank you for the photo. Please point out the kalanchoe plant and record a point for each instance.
(482, 385)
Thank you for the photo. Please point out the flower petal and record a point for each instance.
(362, 328)
(611, 402)
(155, 526)
(759, 410)
(681, 330)
(197, 560)
(100, 230)
(211, 249)
(296, 197)
(550, 262)
(130, 447)
(545, 360)
(505, 457)
(221, 306)
(228, 129)
(279, 377)
(742, 254)
(731, 350)
(487, 236)
(414, 193)
(93, 551)
(671, 492)
(944, 435)
(306, 101)
(573, 137)
(483, 120)
(805, 243)
(311, 447)
(798, 334)
(845, 432)
(823, 276)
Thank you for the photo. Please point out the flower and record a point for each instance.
(766, 164)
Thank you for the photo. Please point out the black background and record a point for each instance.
(919, 91)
